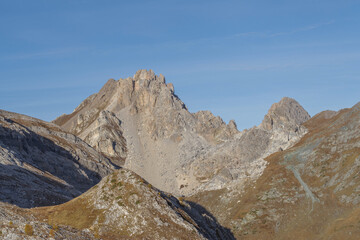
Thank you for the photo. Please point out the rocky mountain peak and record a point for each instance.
(144, 74)
(129, 118)
(232, 124)
(148, 79)
(286, 112)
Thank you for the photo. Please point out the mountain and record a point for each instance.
(43, 165)
(142, 122)
(121, 206)
(292, 176)
(124, 206)
(310, 191)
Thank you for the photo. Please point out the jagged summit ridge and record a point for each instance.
(150, 131)
(143, 93)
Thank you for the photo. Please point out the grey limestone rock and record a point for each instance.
(179, 151)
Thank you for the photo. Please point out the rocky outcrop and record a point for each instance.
(284, 120)
(106, 136)
(286, 114)
(214, 129)
(101, 129)
(179, 151)
(43, 165)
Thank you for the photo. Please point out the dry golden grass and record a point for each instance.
(29, 230)
(76, 213)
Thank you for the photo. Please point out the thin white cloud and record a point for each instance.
(276, 34)
(304, 29)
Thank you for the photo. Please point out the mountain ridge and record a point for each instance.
(292, 175)
(309, 190)
(35, 172)
(161, 136)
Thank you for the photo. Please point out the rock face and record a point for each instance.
(284, 121)
(241, 158)
(310, 191)
(178, 151)
(285, 114)
(43, 165)
(100, 128)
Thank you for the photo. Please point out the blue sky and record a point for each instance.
(234, 58)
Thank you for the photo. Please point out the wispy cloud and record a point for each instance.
(276, 34)
(304, 29)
